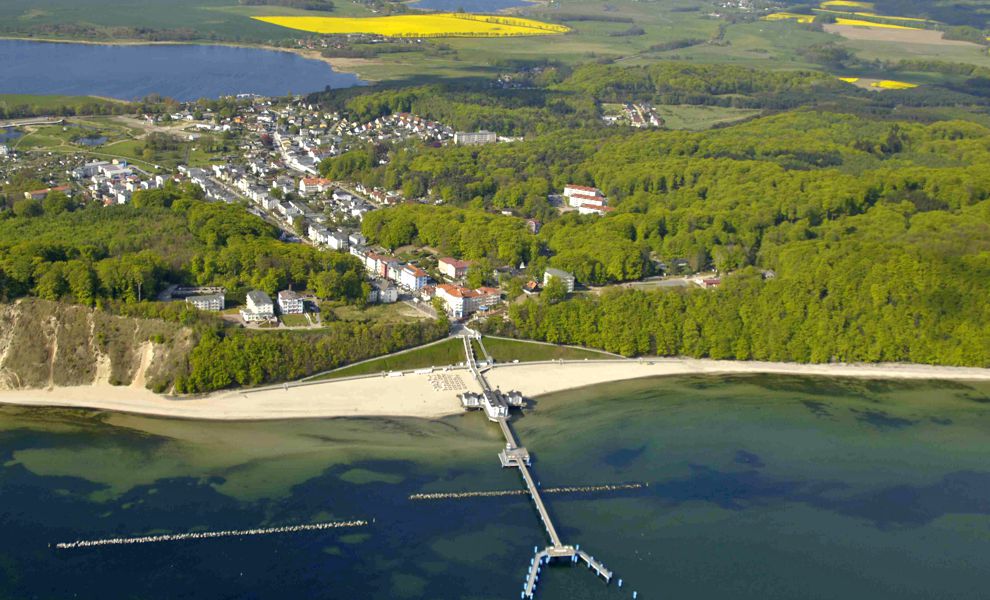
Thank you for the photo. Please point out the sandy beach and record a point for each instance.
(411, 395)
(420, 395)
(544, 378)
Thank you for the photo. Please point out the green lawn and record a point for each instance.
(448, 352)
(47, 104)
(697, 118)
(398, 312)
(523, 351)
(295, 320)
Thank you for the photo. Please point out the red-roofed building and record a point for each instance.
(462, 301)
(453, 268)
(594, 209)
(40, 194)
(314, 185)
(412, 277)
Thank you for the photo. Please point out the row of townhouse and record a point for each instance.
(114, 182)
(409, 276)
(204, 179)
(588, 200)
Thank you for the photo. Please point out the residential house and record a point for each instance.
(383, 292)
(461, 301)
(314, 185)
(474, 138)
(259, 307)
(564, 276)
(412, 277)
(289, 303)
(207, 302)
(453, 268)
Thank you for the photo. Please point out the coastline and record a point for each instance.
(339, 65)
(413, 395)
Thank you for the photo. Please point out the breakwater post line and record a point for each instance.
(576, 489)
(201, 535)
(496, 405)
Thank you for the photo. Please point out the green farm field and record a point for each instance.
(624, 31)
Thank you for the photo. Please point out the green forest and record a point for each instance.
(92, 255)
(841, 235)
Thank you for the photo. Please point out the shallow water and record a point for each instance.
(760, 487)
(180, 71)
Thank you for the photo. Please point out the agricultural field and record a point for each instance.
(700, 117)
(421, 25)
(628, 32)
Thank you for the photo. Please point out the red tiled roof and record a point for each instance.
(456, 263)
(584, 188)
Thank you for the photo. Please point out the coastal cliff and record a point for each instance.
(47, 344)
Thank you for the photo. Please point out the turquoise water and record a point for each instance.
(183, 72)
(759, 487)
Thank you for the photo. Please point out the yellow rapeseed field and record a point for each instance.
(849, 79)
(422, 25)
(847, 4)
(781, 16)
(860, 23)
(889, 84)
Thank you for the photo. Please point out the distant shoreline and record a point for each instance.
(412, 394)
(339, 65)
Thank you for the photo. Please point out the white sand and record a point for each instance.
(413, 396)
(536, 379)
(408, 396)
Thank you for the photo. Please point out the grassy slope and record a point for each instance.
(449, 352)
(509, 350)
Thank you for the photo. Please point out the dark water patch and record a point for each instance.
(732, 490)
(748, 458)
(977, 398)
(940, 421)
(963, 492)
(623, 457)
(819, 409)
(881, 420)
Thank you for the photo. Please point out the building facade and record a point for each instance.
(474, 138)
(461, 301)
(207, 302)
(564, 276)
(452, 267)
(289, 303)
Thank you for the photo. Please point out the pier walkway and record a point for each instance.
(496, 405)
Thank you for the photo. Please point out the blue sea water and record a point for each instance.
(183, 72)
(760, 488)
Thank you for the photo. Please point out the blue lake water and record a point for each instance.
(760, 488)
(183, 72)
(8, 134)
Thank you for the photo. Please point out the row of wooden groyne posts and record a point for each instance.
(496, 404)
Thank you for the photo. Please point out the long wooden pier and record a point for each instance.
(518, 457)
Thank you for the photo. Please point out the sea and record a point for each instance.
(180, 71)
(758, 487)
